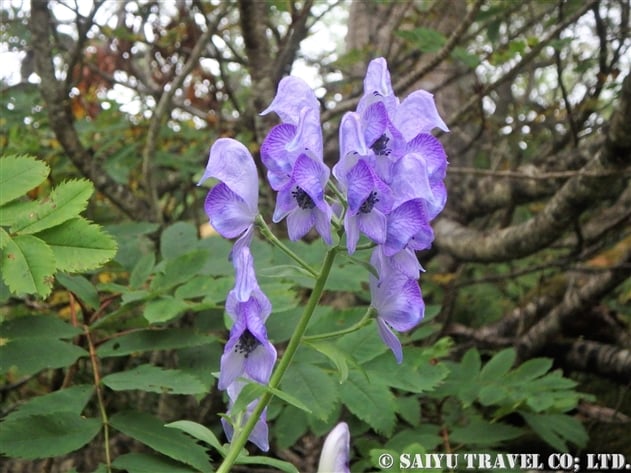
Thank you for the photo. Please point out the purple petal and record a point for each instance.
(259, 435)
(231, 163)
(378, 78)
(400, 303)
(432, 152)
(390, 339)
(374, 122)
(373, 225)
(299, 222)
(418, 114)
(323, 223)
(361, 184)
(410, 179)
(276, 156)
(351, 228)
(229, 214)
(292, 96)
(285, 201)
(335, 451)
(311, 176)
(352, 135)
(404, 262)
(404, 223)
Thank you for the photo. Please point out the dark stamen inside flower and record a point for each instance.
(305, 202)
(369, 203)
(380, 146)
(247, 344)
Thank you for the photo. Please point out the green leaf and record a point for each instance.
(66, 201)
(79, 245)
(313, 387)
(18, 175)
(38, 326)
(152, 432)
(200, 432)
(148, 463)
(335, 354)
(164, 309)
(557, 429)
(149, 340)
(499, 365)
(179, 270)
(31, 355)
(142, 270)
(289, 426)
(72, 399)
(425, 39)
(363, 345)
(213, 290)
(273, 462)
(4, 238)
(154, 379)
(480, 432)
(370, 401)
(28, 265)
(80, 287)
(179, 238)
(48, 435)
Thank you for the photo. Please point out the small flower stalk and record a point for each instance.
(388, 187)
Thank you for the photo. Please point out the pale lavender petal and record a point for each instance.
(378, 78)
(276, 156)
(232, 366)
(336, 451)
(404, 222)
(360, 185)
(351, 230)
(309, 134)
(405, 262)
(352, 135)
(432, 152)
(299, 222)
(285, 202)
(259, 435)
(229, 214)
(244, 241)
(402, 303)
(311, 176)
(390, 339)
(417, 114)
(231, 163)
(373, 225)
(374, 122)
(323, 223)
(292, 96)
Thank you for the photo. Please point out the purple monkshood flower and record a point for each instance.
(369, 201)
(260, 434)
(248, 351)
(301, 200)
(398, 301)
(336, 451)
(232, 205)
(299, 133)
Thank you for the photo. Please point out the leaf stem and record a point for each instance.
(366, 318)
(269, 235)
(99, 397)
(240, 439)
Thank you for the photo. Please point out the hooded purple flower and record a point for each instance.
(398, 301)
(248, 351)
(232, 205)
(260, 434)
(369, 201)
(299, 133)
(301, 200)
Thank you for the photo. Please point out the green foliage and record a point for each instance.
(41, 237)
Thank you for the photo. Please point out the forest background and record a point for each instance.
(525, 346)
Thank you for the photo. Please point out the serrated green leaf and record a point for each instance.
(289, 426)
(289, 399)
(370, 401)
(28, 265)
(18, 175)
(31, 355)
(164, 309)
(179, 270)
(313, 387)
(409, 409)
(80, 287)
(200, 432)
(152, 432)
(499, 365)
(4, 238)
(72, 399)
(531, 369)
(37, 326)
(79, 245)
(154, 379)
(480, 432)
(66, 201)
(557, 429)
(149, 340)
(142, 269)
(15, 211)
(177, 239)
(49, 435)
(335, 354)
(363, 345)
(148, 463)
(211, 289)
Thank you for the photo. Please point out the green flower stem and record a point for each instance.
(269, 235)
(366, 318)
(241, 437)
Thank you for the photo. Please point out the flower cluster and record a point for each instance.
(391, 171)
(390, 174)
